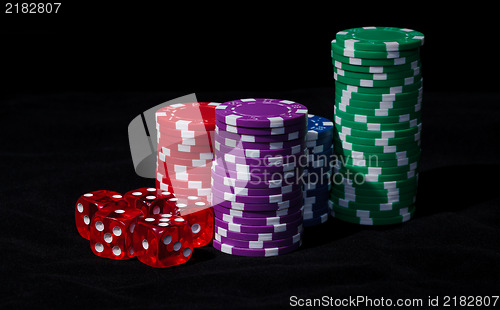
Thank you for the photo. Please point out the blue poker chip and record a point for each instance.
(316, 220)
(318, 127)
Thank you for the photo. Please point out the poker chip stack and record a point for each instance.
(256, 190)
(185, 148)
(318, 171)
(378, 96)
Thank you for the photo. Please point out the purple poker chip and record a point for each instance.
(261, 138)
(261, 131)
(275, 206)
(258, 236)
(261, 113)
(259, 145)
(243, 191)
(256, 153)
(258, 214)
(255, 169)
(229, 249)
(275, 160)
(317, 220)
(251, 176)
(257, 229)
(259, 244)
(258, 221)
(254, 199)
(261, 184)
(319, 128)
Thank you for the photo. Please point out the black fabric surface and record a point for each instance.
(55, 147)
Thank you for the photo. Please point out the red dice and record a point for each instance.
(147, 200)
(163, 240)
(199, 215)
(112, 232)
(88, 204)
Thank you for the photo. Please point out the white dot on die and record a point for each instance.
(196, 228)
(182, 205)
(149, 219)
(200, 203)
(137, 193)
(192, 197)
(167, 239)
(117, 231)
(116, 250)
(131, 228)
(156, 210)
(117, 196)
(173, 199)
(99, 226)
(131, 251)
(166, 215)
(79, 207)
(88, 195)
(165, 193)
(86, 219)
(119, 211)
(179, 219)
(150, 197)
(145, 244)
(99, 247)
(151, 189)
(164, 220)
(162, 224)
(108, 237)
(177, 246)
(186, 252)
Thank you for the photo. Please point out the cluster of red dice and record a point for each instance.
(155, 226)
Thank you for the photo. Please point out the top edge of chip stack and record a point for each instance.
(256, 190)
(377, 119)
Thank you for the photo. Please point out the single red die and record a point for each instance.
(147, 200)
(112, 230)
(199, 214)
(88, 204)
(163, 240)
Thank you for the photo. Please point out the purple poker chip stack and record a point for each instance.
(257, 195)
(318, 172)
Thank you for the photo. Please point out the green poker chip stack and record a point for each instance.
(378, 121)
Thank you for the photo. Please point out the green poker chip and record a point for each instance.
(356, 53)
(377, 69)
(403, 191)
(365, 185)
(388, 134)
(374, 206)
(414, 108)
(377, 126)
(371, 214)
(372, 160)
(358, 118)
(380, 38)
(346, 100)
(339, 151)
(369, 83)
(374, 221)
(406, 196)
(378, 141)
(374, 62)
(351, 93)
(380, 90)
(346, 173)
(377, 76)
(384, 149)
(412, 166)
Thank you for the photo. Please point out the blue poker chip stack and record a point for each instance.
(318, 170)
